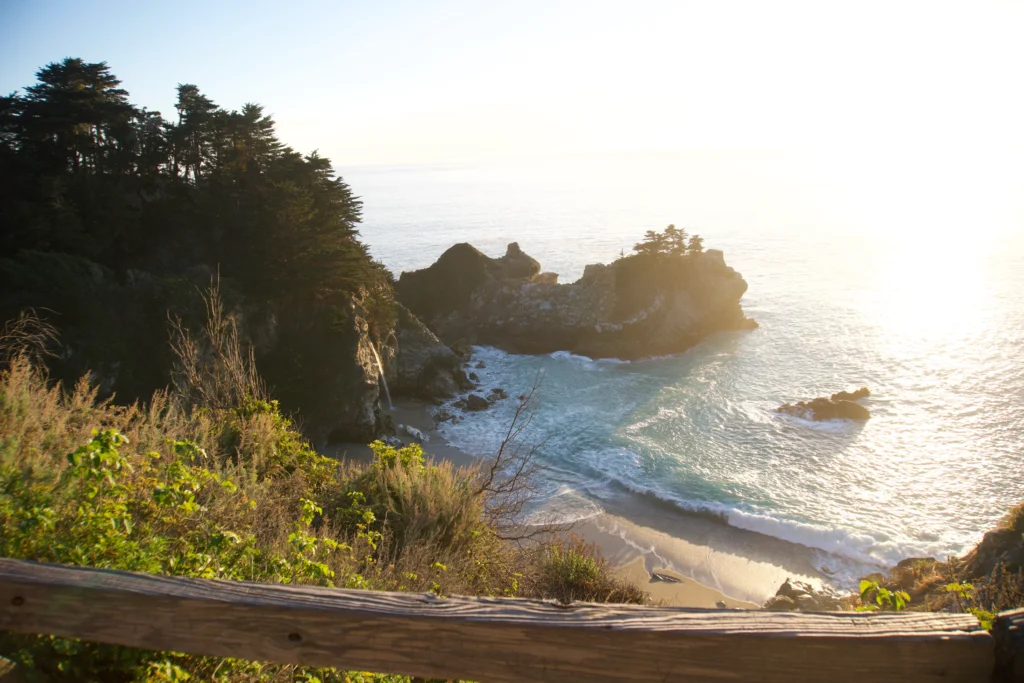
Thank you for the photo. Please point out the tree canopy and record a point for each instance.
(113, 214)
(671, 241)
(86, 172)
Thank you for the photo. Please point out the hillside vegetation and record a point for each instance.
(210, 480)
(113, 214)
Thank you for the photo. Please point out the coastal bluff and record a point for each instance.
(637, 306)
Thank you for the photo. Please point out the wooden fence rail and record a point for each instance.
(492, 639)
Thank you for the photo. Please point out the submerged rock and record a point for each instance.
(637, 306)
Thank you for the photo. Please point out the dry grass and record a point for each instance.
(402, 524)
(1015, 518)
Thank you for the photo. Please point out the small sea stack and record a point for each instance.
(840, 406)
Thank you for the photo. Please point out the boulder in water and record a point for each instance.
(476, 402)
(820, 409)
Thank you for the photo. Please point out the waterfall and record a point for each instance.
(383, 379)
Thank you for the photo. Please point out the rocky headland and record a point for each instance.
(638, 306)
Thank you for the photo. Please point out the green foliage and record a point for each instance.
(407, 457)
(103, 202)
(672, 241)
(874, 596)
(967, 600)
(572, 569)
(234, 493)
(406, 502)
(166, 511)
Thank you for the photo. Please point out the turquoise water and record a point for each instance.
(933, 323)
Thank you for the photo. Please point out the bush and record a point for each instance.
(571, 569)
(1015, 518)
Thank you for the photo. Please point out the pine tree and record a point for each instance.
(675, 240)
(77, 118)
(652, 244)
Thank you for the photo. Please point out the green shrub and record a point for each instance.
(414, 502)
(874, 596)
(571, 569)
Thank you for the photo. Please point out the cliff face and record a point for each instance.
(319, 361)
(323, 361)
(419, 364)
(635, 307)
(315, 353)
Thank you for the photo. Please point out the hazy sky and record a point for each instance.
(917, 83)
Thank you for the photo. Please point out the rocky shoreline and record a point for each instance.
(638, 306)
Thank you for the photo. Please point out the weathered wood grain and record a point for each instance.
(1008, 631)
(486, 639)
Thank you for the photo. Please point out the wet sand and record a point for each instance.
(681, 559)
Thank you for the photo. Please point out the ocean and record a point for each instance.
(930, 317)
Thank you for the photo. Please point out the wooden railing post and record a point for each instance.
(1008, 632)
(486, 639)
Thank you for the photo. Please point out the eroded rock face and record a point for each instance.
(635, 307)
(996, 547)
(422, 366)
(322, 364)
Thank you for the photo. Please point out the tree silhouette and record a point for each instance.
(675, 240)
(672, 241)
(76, 118)
(83, 171)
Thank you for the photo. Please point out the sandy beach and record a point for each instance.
(681, 559)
